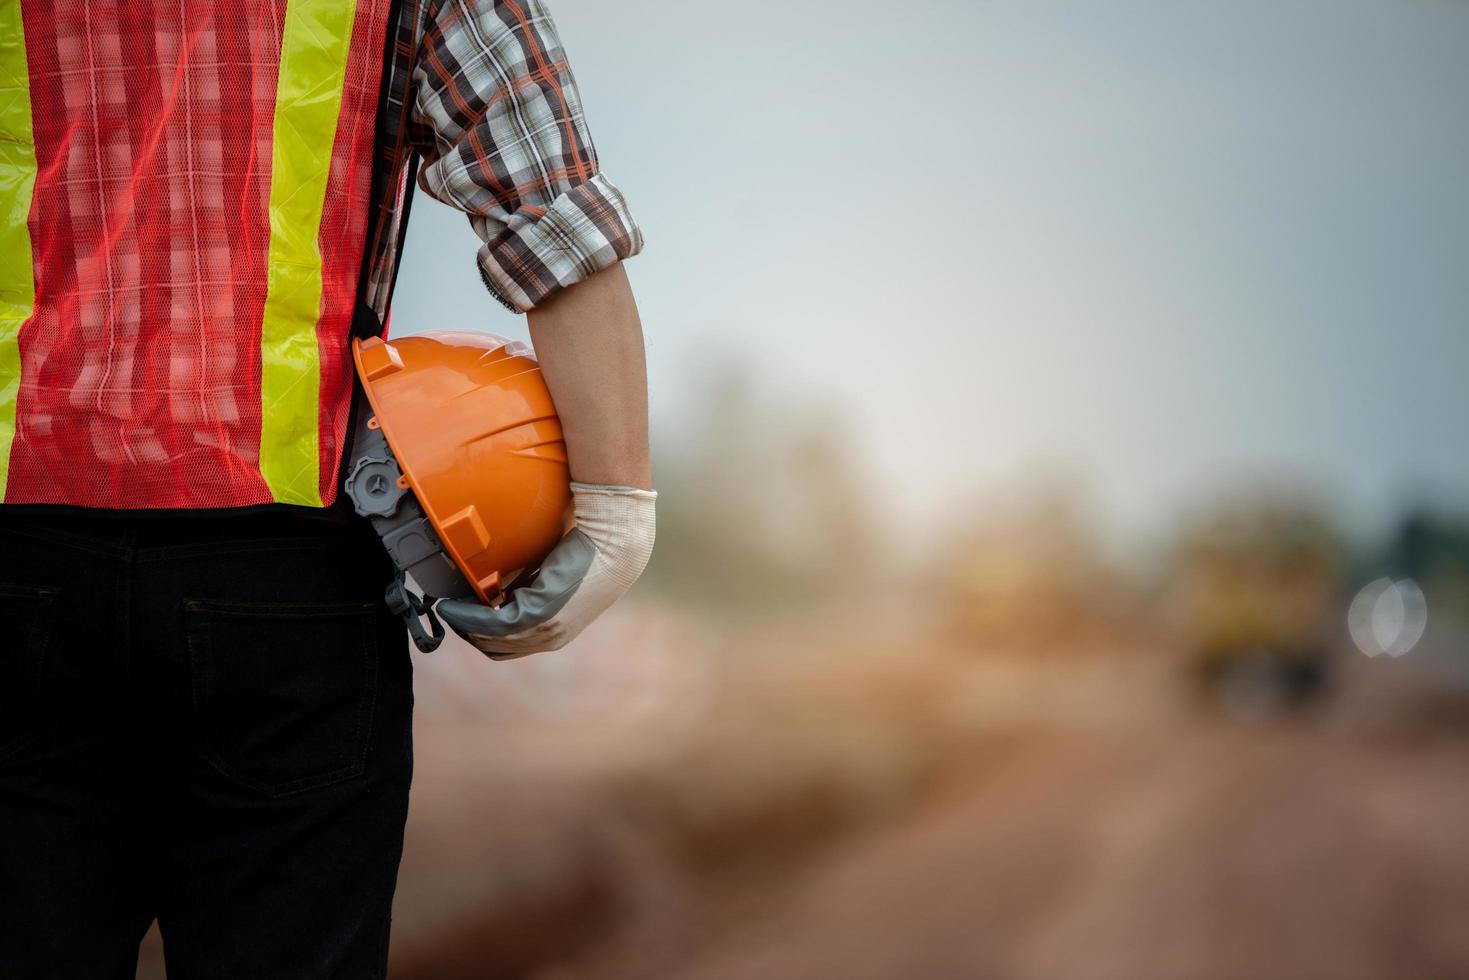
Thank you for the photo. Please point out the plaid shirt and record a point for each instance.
(495, 116)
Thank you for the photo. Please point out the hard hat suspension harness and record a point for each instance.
(414, 609)
(379, 491)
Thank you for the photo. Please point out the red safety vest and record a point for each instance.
(184, 196)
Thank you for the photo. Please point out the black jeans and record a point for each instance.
(206, 721)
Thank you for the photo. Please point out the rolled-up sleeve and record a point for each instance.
(499, 123)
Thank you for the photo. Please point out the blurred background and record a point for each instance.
(1063, 572)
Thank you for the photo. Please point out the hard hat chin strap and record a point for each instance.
(414, 609)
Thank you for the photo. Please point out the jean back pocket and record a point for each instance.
(283, 692)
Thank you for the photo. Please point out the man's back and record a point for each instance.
(199, 176)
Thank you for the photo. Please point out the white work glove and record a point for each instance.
(597, 561)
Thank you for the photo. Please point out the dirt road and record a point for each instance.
(1212, 853)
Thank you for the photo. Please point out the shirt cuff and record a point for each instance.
(541, 251)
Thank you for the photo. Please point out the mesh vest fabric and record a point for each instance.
(195, 210)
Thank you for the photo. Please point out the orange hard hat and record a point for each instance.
(459, 460)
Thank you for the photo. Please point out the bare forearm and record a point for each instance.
(589, 340)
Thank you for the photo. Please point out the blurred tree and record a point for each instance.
(761, 506)
(1030, 574)
(1433, 550)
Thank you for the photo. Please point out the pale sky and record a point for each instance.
(1161, 246)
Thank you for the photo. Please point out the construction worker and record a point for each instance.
(204, 703)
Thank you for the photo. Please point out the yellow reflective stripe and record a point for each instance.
(307, 107)
(17, 184)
